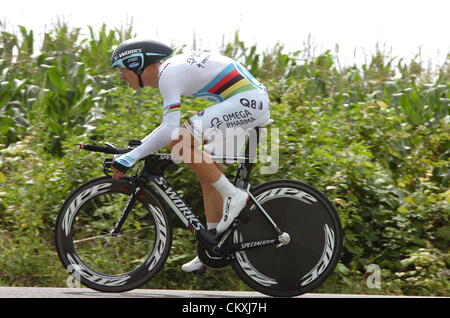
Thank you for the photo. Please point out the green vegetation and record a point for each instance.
(374, 138)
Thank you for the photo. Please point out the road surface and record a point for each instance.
(40, 292)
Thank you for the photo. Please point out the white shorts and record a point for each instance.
(223, 126)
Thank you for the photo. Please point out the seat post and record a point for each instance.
(243, 172)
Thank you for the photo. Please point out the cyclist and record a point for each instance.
(241, 103)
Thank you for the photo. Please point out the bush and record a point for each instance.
(374, 138)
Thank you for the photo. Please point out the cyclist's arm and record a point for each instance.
(158, 138)
(162, 135)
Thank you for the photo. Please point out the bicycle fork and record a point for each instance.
(126, 211)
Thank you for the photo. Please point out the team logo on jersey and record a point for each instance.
(198, 59)
(235, 119)
(216, 122)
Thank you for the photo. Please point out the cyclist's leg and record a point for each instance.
(220, 124)
(187, 149)
(233, 199)
(207, 172)
(212, 201)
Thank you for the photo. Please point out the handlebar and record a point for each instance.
(110, 149)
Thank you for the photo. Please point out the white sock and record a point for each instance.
(224, 186)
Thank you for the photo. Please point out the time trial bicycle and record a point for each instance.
(116, 234)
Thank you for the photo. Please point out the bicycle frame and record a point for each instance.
(153, 174)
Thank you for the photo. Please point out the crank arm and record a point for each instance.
(282, 240)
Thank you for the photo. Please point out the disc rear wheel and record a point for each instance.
(315, 240)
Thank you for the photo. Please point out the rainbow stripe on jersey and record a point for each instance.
(232, 80)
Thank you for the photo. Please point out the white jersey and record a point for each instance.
(201, 74)
(194, 74)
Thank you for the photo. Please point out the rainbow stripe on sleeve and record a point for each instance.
(172, 108)
(227, 83)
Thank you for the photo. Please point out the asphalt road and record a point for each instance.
(40, 292)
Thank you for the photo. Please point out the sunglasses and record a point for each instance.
(134, 61)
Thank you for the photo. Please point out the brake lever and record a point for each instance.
(107, 166)
(109, 145)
